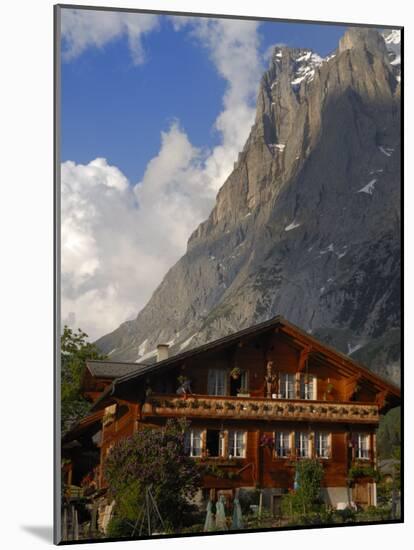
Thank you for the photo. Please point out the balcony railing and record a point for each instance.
(194, 406)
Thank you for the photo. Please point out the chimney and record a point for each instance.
(162, 352)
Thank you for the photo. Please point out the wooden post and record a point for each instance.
(260, 504)
(92, 528)
(72, 522)
(65, 524)
(76, 526)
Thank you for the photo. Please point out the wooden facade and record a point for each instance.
(258, 401)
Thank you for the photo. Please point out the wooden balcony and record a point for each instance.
(206, 406)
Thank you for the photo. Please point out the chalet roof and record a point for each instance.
(91, 421)
(278, 321)
(112, 369)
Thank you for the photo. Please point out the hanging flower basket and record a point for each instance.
(235, 373)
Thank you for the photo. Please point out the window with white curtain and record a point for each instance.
(217, 382)
(193, 442)
(302, 444)
(236, 443)
(362, 446)
(282, 444)
(322, 444)
(287, 385)
(307, 386)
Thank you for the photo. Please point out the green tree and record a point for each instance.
(306, 498)
(152, 458)
(389, 433)
(75, 351)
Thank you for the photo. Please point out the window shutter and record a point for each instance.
(314, 394)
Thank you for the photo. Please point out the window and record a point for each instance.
(192, 442)
(307, 386)
(237, 444)
(217, 382)
(302, 444)
(214, 445)
(322, 444)
(282, 444)
(362, 446)
(287, 386)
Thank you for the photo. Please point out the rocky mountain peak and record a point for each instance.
(362, 38)
(307, 223)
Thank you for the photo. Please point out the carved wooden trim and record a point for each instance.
(265, 409)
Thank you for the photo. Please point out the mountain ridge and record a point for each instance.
(307, 223)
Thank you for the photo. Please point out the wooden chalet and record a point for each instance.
(258, 401)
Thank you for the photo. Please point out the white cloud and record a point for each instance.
(82, 29)
(119, 240)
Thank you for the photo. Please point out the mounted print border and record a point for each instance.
(228, 284)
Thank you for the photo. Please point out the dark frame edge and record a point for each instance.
(402, 344)
(225, 16)
(57, 528)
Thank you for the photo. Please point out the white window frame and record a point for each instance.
(363, 446)
(287, 385)
(192, 436)
(214, 386)
(244, 381)
(283, 436)
(304, 388)
(236, 443)
(302, 444)
(222, 443)
(322, 448)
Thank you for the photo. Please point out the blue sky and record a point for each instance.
(154, 113)
(115, 109)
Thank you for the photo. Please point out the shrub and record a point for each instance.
(155, 459)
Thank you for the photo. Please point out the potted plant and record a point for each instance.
(235, 373)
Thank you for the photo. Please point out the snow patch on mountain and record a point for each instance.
(352, 349)
(292, 225)
(305, 67)
(186, 343)
(387, 151)
(143, 347)
(368, 188)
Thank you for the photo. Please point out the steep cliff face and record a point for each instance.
(308, 223)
